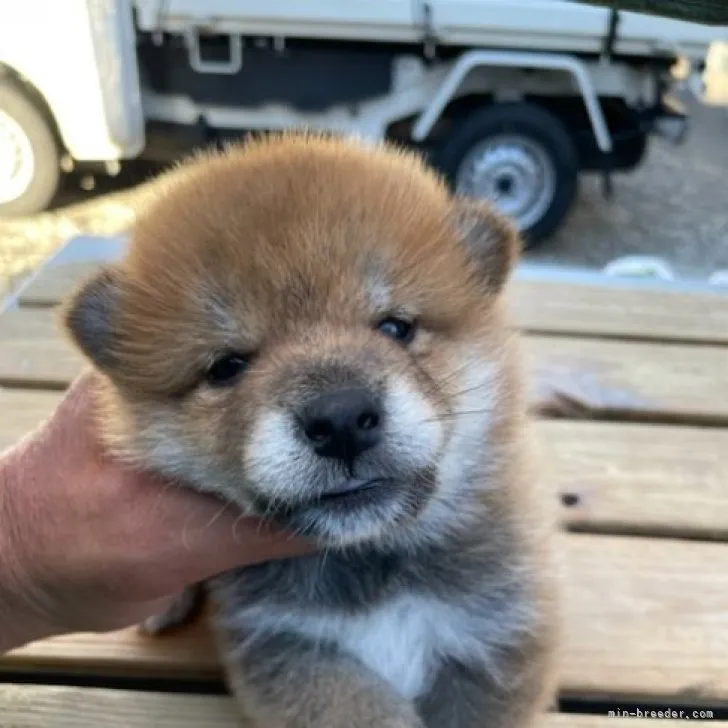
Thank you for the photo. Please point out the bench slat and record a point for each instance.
(22, 410)
(600, 377)
(77, 259)
(643, 618)
(631, 478)
(619, 309)
(635, 478)
(32, 706)
(630, 379)
(188, 652)
(34, 351)
(53, 283)
(29, 706)
(539, 305)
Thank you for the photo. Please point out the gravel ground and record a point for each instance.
(674, 206)
(107, 210)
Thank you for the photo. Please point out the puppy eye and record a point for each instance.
(397, 329)
(226, 369)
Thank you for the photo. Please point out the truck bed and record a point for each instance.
(547, 25)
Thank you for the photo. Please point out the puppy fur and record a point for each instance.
(430, 601)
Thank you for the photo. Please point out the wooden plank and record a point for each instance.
(32, 706)
(22, 411)
(637, 478)
(610, 378)
(598, 377)
(643, 618)
(618, 309)
(60, 274)
(537, 305)
(33, 350)
(189, 652)
(52, 284)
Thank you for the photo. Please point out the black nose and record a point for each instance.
(343, 424)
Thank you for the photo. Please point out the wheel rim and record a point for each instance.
(17, 162)
(513, 172)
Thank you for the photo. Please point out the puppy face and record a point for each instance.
(309, 329)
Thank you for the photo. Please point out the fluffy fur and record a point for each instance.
(431, 601)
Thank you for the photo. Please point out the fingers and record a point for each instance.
(194, 534)
(233, 541)
(197, 536)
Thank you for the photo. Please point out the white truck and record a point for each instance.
(510, 99)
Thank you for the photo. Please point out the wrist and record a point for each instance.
(21, 619)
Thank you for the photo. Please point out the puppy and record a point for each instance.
(314, 331)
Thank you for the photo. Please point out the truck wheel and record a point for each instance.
(29, 156)
(521, 158)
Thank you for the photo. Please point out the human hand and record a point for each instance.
(87, 544)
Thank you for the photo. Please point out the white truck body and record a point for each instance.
(92, 83)
(546, 25)
(103, 72)
(79, 56)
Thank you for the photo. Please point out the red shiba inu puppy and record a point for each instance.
(314, 330)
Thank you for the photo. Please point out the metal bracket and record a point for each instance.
(611, 36)
(429, 38)
(197, 62)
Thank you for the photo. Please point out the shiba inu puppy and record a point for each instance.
(314, 331)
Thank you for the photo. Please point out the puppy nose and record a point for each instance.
(343, 424)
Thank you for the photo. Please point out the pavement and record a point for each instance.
(674, 206)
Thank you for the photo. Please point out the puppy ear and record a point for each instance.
(89, 316)
(491, 239)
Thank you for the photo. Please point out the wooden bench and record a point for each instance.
(639, 468)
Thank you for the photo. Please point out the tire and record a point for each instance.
(31, 173)
(524, 151)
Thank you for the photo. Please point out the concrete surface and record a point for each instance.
(675, 206)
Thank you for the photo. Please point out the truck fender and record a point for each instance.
(515, 59)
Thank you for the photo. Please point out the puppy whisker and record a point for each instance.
(454, 415)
